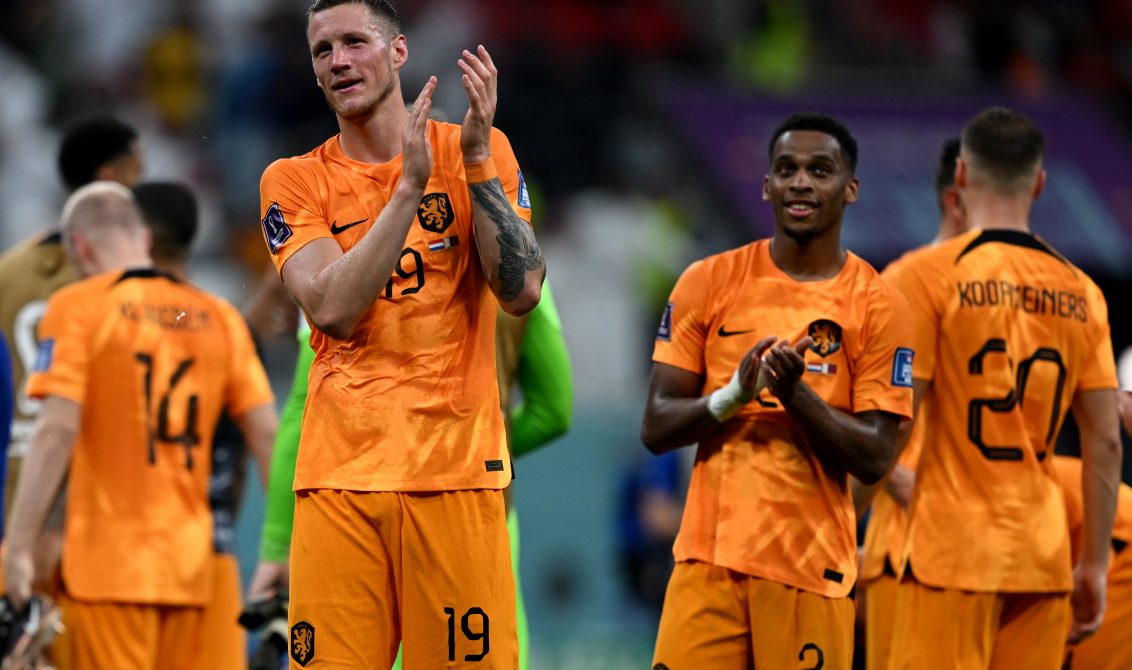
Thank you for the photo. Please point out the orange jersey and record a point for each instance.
(409, 402)
(888, 521)
(152, 362)
(760, 502)
(1009, 331)
(1067, 471)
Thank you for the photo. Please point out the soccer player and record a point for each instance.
(92, 148)
(531, 352)
(1009, 336)
(96, 148)
(1111, 647)
(170, 211)
(400, 237)
(884, 538)
(767, 555)
(134, 369)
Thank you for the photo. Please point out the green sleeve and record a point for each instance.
(279, 515)
(544, 379)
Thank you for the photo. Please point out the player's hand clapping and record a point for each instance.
(481, 83)
(416, 165)
(784, 365)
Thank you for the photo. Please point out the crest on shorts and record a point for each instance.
(435, 212)
(826, 335)
(302, 643)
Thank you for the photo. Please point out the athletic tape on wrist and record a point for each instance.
(477, 173)
(724, 402)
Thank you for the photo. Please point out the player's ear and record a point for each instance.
(766, 188)
(1039, 184)
(851, 190)
(399, 47)
(960, 172)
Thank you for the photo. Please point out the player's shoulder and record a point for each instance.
(914, 260)
(312, 162)
(87, 291)
(737, 259)
(869, 285)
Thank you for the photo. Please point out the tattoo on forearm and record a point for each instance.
(519, 253)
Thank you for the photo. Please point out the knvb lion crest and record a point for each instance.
(827, 337)
(435, 212)
(302, 643)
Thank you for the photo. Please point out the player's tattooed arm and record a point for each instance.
(514, 262)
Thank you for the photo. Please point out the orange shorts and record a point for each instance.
(716, 618)
(222, 642)
(880, 611)
(132, 637)
(949, 628)
(1111, 647)
(371, 568)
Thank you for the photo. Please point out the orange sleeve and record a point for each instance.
(248, 386)
(682, 334)
(914, 281)
(287, 202)
(510, 176)
(882, 373)
(63, 359)
(1099, 369)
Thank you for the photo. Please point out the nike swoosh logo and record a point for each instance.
(728, 333)
(335, 228)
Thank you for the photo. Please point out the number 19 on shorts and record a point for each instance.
(475, 626)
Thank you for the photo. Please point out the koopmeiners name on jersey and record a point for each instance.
(1030, 299)
(169, 317)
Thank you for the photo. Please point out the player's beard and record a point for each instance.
(362, 108)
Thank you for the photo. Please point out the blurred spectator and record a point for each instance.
(650, 501)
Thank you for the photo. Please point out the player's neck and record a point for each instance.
(995, 212)
(948, 228)
(377, 137)
(810, 259)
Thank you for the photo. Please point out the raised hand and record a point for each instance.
(416, 165)
(785, 364)
(752, 376)
(481, 83)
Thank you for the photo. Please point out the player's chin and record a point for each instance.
(803, 229)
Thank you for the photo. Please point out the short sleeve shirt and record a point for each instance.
(760, 502)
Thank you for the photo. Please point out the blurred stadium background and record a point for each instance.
(641, 126)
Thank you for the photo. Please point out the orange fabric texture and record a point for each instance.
(222, 643)
(760, 502)
(888, 521)
(152, 362)
(367, 568)
(1009, 332)
(133, 637)
(948, 628)
(1110, 648)
(409, 401)
(880, 618)
(723, 620)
